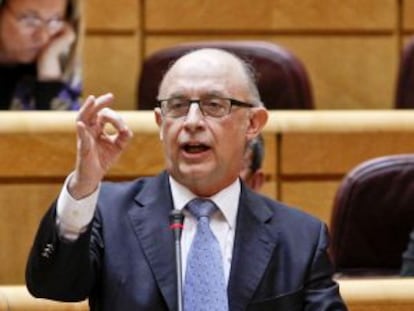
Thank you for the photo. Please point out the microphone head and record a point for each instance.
(176, 217)
(176, 223)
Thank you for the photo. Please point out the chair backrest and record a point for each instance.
(282, 79)
(372, 217)
(405, 82)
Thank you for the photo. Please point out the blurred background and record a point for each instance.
(351, 49)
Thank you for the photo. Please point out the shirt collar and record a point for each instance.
(227, 200)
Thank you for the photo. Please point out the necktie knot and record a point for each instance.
(201, 207)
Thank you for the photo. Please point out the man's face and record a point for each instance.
(202, 152)
(27, 26)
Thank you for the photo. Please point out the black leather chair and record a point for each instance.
(282, 79)
(405, 82)
(373, 214)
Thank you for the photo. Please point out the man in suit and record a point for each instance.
(252, 173)
(407, 265)
(111, 242)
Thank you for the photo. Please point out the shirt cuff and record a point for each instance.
(73, 216)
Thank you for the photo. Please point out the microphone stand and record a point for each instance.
(176, 225)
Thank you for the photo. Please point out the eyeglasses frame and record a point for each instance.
(41, 21)
(233, 102)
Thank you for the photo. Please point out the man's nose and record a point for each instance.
(194, 115)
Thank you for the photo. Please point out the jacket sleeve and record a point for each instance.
(62, 270)
(321, 291)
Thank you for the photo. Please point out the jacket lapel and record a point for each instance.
(253, 248)
(151, 225)
(253, 245)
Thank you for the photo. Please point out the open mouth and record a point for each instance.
(195, 148)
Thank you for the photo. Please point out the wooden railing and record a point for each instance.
(378, 294)
(17, 298)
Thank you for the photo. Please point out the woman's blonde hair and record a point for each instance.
(72, 61)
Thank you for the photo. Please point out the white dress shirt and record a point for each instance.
(73, 216)
(223, 223)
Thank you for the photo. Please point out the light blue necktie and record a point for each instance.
(204, 286)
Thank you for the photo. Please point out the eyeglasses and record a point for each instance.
(32, 21)
(215, 107)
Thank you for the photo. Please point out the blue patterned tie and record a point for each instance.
(204, 286)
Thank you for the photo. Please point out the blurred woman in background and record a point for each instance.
(39, 54)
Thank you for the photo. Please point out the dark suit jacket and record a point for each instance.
(125, 260)
(407, 267)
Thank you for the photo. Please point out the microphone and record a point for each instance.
(176, 225)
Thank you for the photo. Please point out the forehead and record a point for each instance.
(39, 6)
(206, 71)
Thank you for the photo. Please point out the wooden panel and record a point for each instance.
(343, 74)
(19, 299)
(375, 306)
(312, 142)
(378, 294)
(313, 196)
(336, 153)
(287, 122)
(111, 64)
(47, 156)
(22, 206)
(245, 15)
(109, 15)
(48, 150)
(319, 148)
(408, 15)
(370, 294)
(336, 76)
(157, 42)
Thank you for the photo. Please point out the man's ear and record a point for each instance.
(158, 120)
(258, 119)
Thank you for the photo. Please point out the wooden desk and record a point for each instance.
(317, 148)
(378, 294)
(359, 294)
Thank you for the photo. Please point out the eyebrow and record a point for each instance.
(31, 12)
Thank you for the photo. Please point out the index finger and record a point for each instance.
(91, 107)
